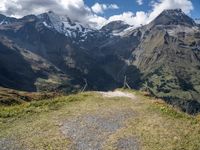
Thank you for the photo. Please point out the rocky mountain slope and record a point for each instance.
(169, 60)
(51, 52)
(55, 59)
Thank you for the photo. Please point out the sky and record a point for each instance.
(97, 13)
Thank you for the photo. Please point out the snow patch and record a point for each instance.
(46, 25)
(178, 29)
(4, 22)
(124, 32)
(64, 25)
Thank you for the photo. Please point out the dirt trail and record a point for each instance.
(111, 94)
(90, 131)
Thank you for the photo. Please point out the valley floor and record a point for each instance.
(117, 120)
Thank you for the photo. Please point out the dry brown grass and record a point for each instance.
(13, 97)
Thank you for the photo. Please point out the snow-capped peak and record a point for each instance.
(118, 28)
(64, 25)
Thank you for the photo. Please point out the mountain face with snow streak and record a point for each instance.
(52, 52)
(6, 20)
(64, 25)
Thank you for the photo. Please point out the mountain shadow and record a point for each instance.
(15, 71)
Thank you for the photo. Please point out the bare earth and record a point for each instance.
(118, 94)
(90, 131)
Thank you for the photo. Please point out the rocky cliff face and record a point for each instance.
(51, 52)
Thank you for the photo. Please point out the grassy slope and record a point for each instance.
(9, 97)
(36, 125)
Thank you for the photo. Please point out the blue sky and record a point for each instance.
(196, 12)
(132, 5)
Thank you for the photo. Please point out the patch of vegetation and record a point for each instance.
(185, 84)
(168, 110)
(39, 106)
(10, 97)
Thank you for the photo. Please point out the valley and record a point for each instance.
(53, 53)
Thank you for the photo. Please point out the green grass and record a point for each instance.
(36, 124)
(9, 97)
(156, 125)
(39, 106)
(160, 126)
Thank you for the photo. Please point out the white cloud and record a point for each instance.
(24, 7)
(113, 6)
(100, 8)
(3, 5)
(142, 18)
(140, 2)
(131, 18)
(97, 21)
(78, 10)
(75, 9)
(158, 6)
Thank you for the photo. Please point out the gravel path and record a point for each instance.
(90, 132)
(117, 94)
(9, 144)
(129, 143)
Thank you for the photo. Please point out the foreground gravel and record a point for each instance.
(9, 144)
(129, 143)
(90, 132)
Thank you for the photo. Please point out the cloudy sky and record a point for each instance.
(99, 12)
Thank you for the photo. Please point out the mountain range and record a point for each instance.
(49, 52)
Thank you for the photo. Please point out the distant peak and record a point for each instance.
(173, 10)
(50, 12)
(173, 17)
(54, 15)
(118, 21)
(176, 12)
(115, 25)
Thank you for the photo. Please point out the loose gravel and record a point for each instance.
(129, 143)
(90, 132)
